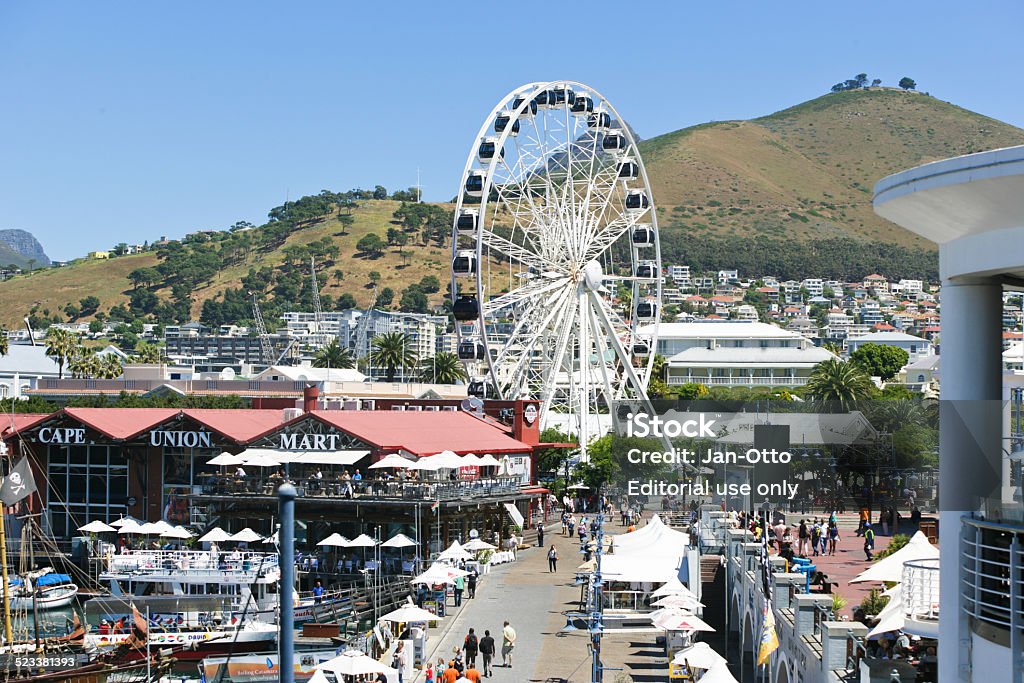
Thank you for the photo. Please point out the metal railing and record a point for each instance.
(992, 573)
(921, 589)
(739, 380)
(390, 489)
(192, 566)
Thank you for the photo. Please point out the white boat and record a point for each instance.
(43, 592)
(262, 668)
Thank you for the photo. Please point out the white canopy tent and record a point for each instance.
(700, 655)
(890, 569)
(259, 460)
(719, 673)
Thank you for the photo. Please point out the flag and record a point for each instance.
(433, 506)
(769, 639)
(19, 484)
(141, 628)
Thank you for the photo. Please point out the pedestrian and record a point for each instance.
(487, 652)
(471, 646)
(540, 534)
(318, 593)
(815, 537)
(429, 672)
(471, 674)
(451, 674)
(833, 537)
(552, 559)
(460, 585)
(399, 660)
(823, 537)
(869, 540)
(803, 537)
(865, 514)
(565, 522)
(508, 643)
(471, 583)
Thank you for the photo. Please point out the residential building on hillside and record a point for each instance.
(22, 367)
(916, 347)
(735, 353)
(679, 274)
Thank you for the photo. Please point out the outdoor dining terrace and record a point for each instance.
(368, 489)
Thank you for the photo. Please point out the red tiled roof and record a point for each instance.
(423, 433)
(121, 423)
(237, 424)
(12, 424)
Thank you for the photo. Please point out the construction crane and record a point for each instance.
(318, 313)
(261, 331)
(362, 323)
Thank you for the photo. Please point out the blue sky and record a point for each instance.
(127, 121)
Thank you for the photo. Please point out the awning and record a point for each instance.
(514, 513)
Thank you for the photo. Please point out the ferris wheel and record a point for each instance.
(556, 263)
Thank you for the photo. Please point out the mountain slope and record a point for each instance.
(807, 172)
(18, 247)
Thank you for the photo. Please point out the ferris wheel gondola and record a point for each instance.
(555, 248)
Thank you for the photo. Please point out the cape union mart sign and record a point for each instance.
(179, 439)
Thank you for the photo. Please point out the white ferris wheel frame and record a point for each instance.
(597, 316)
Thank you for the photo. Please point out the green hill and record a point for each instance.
(787, 194)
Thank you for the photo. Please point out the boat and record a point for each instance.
(262, 668)
(184, 627)
(48, 590)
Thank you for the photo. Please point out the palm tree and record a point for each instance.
(60, 346)
(839, 383)
(333, 356)
(109, 367)
(83, 363)
(392, 350)
(444, 368)
(3, 341)
(148, 354)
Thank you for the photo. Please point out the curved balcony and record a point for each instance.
(992, 574)
(921, 598)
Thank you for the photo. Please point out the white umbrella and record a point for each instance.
(719, 673)
(392, 460)
(335, 540)
(455, 552)
(673, 587)
(215, 535)
(246, 535)
(178, 532)
(890, 569)
(96, 527)
(407, 614)
(131, 528)
(892, 617)
(161, 526)
(487, 460)
(445, 460)
(579, 487)
(699, 655)
(354, 663)
(272, 539)
(439, 573)
(399, 541)
(679, 601)
(260, 460)
(476, 545)
(226, 460)
(674, 620)
(362, 541)
(150, 529)
(471, 460)
(125, 520)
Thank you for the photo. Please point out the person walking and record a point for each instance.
(823, 537)
(451, 674)
(471, 674)
(815, 537)
(460, 585)
(471, 646)
(487, 652)
(508, 644)
(803, 536)
(833, 537)
(471, 583)
(552, 559)
(399, 660)
(540, 534)
(869, 540)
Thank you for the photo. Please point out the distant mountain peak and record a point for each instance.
(25, 247)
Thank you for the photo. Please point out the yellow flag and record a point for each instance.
(769, 639)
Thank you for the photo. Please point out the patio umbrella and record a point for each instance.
(362, 541)
(131, 528)
(353, 663)
(96, 527)
(393, 461)
(335, 540)
(476, 545)
(699, 655)
(408, 614)
(674, 620)
(719, 673)
(679, 601)
(439, 573)
(215, 535)
(246, 535)
(487, 460)
(445, 460)
(673, 587)
(123, 520)
(178, 532)
(260, 460)
(399, 541)
(272, 539)
(226, 460)
(455, 552)
(579, 487)
(890, 569)
(150, 529)
(471, 460)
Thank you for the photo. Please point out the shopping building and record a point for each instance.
(973, 207)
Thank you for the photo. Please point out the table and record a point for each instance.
(502, 556)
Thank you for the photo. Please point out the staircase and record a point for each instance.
(712, 582)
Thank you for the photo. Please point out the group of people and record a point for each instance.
(463, 663)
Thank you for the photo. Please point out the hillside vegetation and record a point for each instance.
(787, 195)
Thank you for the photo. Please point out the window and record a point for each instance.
(85, 483)
(920, 378)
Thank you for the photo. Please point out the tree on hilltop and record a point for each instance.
(907, 83)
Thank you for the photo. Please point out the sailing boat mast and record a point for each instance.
(8, 631)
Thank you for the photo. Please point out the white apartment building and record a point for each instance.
(871, 313)
(679, 274)
(815, 286)
(916, 347)
(357, 330)
(736, 353)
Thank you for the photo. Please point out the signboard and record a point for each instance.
(180, 439)
(62, 435)
(516, 466)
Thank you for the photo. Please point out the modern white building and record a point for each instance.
(22, 367)
(973, 207)
(916, 347)
(736, 353)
